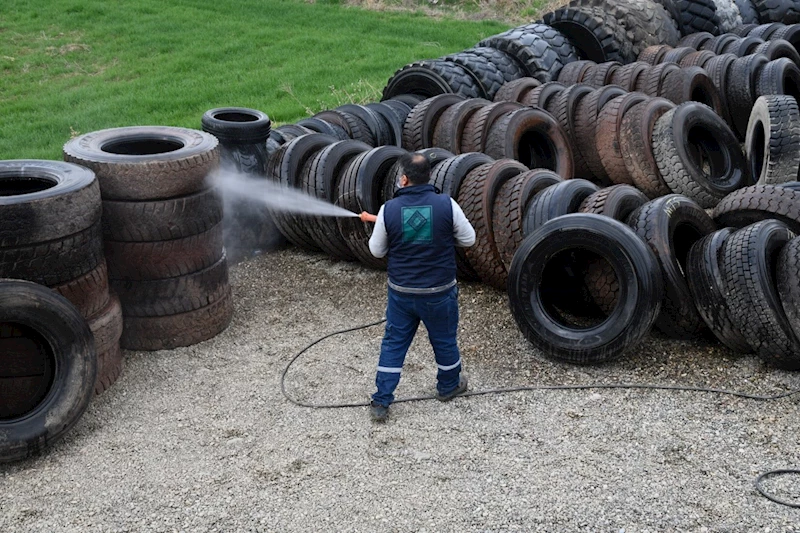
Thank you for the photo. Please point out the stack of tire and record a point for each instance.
(50, 234)
(161, 230)
(242, 133)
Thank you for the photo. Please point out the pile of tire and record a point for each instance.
(161, 230)
(539, 50)
(49, 368)
(50, 234)
(242, 134)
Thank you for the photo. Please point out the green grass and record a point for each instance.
(69, 67)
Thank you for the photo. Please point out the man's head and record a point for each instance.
(416, 169)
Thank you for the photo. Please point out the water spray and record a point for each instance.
(274, 196)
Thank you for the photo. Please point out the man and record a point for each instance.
(419, 230)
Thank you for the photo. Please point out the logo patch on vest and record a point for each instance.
(417, 223)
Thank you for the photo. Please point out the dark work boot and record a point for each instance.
(378, 412)
(462, 388)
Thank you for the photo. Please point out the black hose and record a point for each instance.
(769, 496)
(686, 388)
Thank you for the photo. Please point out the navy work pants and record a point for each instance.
(439, 313)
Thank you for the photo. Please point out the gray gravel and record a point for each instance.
(201, 439)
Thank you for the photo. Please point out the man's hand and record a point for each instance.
(366, 217)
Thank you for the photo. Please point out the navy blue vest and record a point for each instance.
(419, 223)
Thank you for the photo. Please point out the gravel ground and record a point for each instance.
(201, 439)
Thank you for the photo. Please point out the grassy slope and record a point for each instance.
(74, 66)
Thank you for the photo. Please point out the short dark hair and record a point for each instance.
(416, 167)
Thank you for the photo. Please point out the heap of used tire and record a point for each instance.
(161, 231)
(50, 234)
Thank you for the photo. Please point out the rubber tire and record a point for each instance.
(45, 200)
(636, 132)
(447, 178)
(585, 128)
(698, 16)
(646, 23)
(790, 33)
(391, 124)
(629, 322)
(780, 76)
(788, 283)
(173, 331)
(718, 69)
(574, 72)
(106, 327)
(759, 202)
(684, 139)
(742, 95)
(658, 223)
(542, 95)
(627, 76)
(360, 188)
(476, 197)
(563, 110)
(161, 220)
(783, 11)
(141, 261)
(696, 40)
(237, 125)
(557, 200)
(317, 125)
(697, 59)
(777, 48)
(772, 143)
(607, 135)
(55, 262)
(286, 168)
(596, 34)
(450, 126)
(537, 55)
(533, 137)
(617, 202)
(477, 128)
(515, 91)
(88, 293)
(75, 368)
(691, 84)
(747, 11)
(431, 78)
(490, 67)
(653, 55)
(750, 260)
(174, 162)
(324, 173)
(510, 205)
(421, 122)
(707, 285)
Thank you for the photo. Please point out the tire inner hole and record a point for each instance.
(791, 85)
(142, 146)
(579, 289)
(707, 154)
(236, 117)
(537, 150)
(700, 94)
(757, 150)
(27, 368)
(17, 185)
(683, 237)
